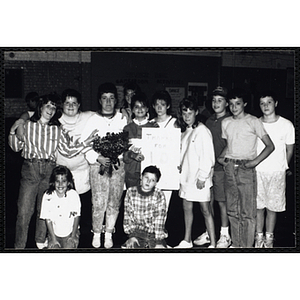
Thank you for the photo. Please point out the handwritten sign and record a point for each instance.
(161, 147)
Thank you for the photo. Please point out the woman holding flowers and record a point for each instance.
(107, 187)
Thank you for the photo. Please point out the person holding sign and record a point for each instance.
(134, 156)
(161, 102)
(197, 162)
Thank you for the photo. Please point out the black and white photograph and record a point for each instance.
(149, 149)
(187, 150)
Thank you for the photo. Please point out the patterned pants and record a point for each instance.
(106, 197)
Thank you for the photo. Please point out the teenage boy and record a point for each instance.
(219, 105)
(271, 173)
(240, 158)
(145, 212)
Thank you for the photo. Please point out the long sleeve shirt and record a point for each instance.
(197, 155)
(145, 211)
(41, 141)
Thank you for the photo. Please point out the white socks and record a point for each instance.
(224, 231)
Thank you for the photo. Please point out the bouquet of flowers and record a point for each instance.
(111, 146)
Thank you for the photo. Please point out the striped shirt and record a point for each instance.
(145, 211)
(42, 140)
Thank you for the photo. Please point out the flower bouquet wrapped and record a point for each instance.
(111, 146)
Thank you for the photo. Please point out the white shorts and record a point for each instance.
(271, 191)
(193, 194)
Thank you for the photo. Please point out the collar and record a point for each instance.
(145, 193)
(145, 121)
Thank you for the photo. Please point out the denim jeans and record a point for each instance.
(35, 176)
(241, 191)
(106, 197)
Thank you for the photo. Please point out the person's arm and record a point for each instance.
(14, 142)
(53, 241)
(289, 152)
(69, 148)
(269, 148)
(206, 156)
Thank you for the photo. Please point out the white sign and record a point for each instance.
(161, 147)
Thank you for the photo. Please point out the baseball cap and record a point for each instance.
(220, 91)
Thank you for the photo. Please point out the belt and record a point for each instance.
(42, 160)
(236, 161)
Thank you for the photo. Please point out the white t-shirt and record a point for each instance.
(61, 211)
(282, 133)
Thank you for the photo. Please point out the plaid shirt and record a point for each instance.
(42, 140)
(145, 211)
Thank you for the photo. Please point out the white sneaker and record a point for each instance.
(42, 245)
(108, 242)
(224, 241)
(184, 245)
(202, 239)
(96, 240)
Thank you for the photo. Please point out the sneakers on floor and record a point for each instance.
(259, 241)
(224, 241)
(202, 239)
(108, 242)
(184, 245)
(96, 240)
(269, 241)
(42, 245)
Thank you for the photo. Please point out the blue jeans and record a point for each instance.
(35, 176)
(241, 191)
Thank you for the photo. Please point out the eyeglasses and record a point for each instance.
(71, 104)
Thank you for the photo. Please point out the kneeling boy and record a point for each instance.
(145, 212)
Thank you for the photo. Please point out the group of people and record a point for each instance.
(236, 159)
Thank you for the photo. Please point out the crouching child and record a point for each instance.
(61, 210)
(145, 212)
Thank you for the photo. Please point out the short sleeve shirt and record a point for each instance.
(282, 133)
(61, 211)
(242, 135)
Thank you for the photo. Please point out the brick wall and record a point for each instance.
(47, 76)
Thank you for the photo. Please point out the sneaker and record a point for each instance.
(42, 245)
(202, 239)
(184, 245)
(96, 240)
(269, 241)
(211, 246)
(108, 242)
(224, 241)
(259, 241)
